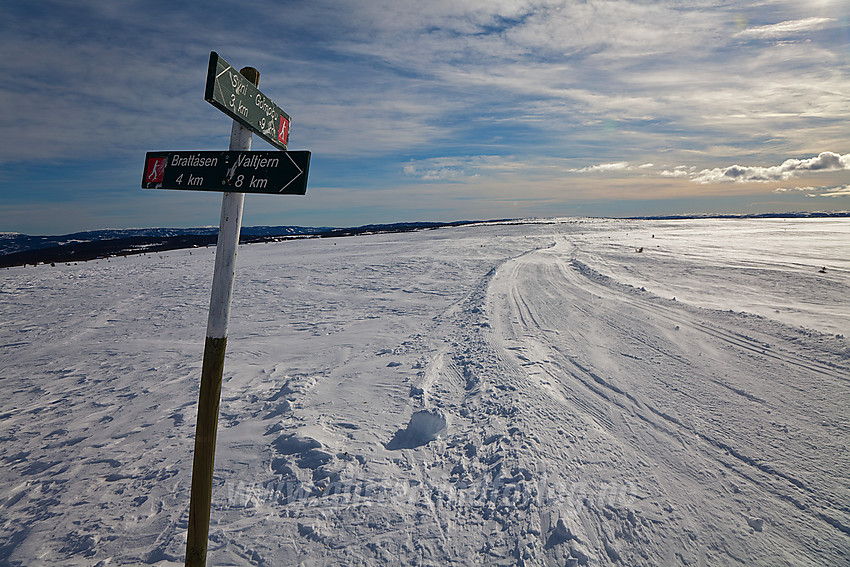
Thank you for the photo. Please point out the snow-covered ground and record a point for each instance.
(565, 392)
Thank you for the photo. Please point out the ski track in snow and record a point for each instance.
(486, 395)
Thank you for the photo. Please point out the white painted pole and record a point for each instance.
(228, 242)
(214, 349)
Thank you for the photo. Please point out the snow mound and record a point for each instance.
(424, 426)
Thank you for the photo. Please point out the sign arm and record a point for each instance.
(239, 98)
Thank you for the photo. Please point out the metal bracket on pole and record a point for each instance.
(214, 350)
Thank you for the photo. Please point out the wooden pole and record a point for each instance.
(214, 349)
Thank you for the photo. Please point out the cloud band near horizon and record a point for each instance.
(789, 169)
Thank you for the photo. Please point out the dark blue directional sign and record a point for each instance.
(232, 93)
(276, 173)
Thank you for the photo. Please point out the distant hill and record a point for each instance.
(19, 249)
(11, 242)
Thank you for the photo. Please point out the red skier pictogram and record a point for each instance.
(283, 130)
(156, 170)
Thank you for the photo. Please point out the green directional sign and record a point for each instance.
(232, 93)
(276, 173)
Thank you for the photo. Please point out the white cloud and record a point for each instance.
(616, 166)
(784, 29)
(838, 192)
(612, 166)
(835, 191)
(458, 167)
(790, 168)
(434, 171)
(678, 171)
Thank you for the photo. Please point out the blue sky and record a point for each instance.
(438, 110)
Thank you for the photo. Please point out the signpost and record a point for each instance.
(235, 172)
(278, 173)
(242, 100)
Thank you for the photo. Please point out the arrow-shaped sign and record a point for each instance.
(276, 173)
(237, 97)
